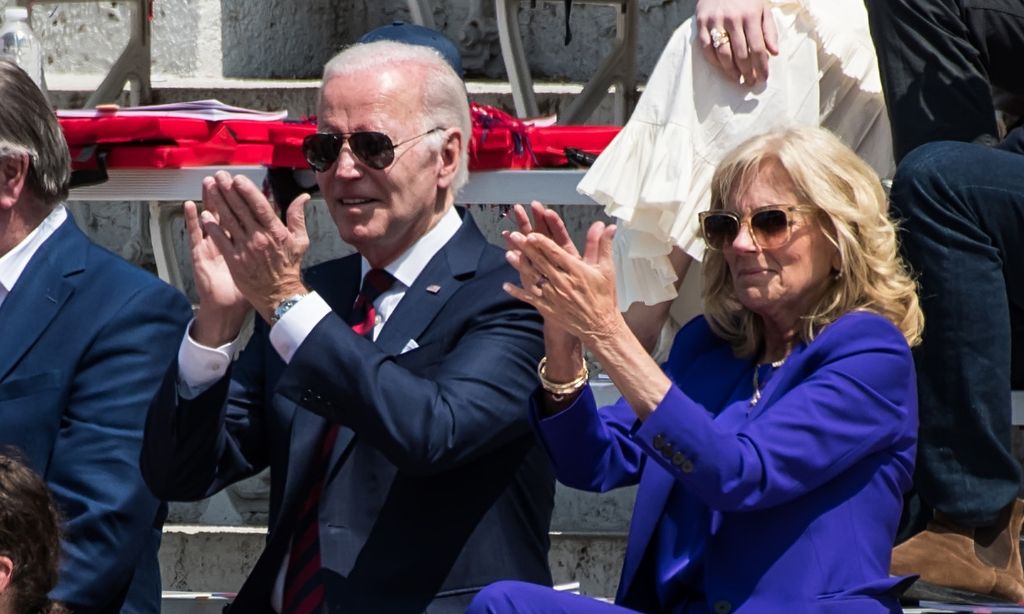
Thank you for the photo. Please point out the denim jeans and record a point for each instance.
(939, 60)
(960, 207)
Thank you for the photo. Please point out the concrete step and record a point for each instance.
(210, 545)
(218, 558)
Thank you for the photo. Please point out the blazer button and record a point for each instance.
(307, 396)
(723, 607)
(659, 442)
(667, 451)
(684, 464)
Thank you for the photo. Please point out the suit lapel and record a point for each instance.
(655, 485)
(338, 284)
(709, 382)
(450, 267)
(779, 383)
(40, 292)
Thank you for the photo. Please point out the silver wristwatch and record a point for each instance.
(283, 307)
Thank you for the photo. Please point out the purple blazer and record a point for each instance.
(790, 505)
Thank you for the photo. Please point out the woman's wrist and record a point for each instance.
(561, 389)
(563, 352)
(615, 333)
(563, 363)
(558, 390)
(636, 376)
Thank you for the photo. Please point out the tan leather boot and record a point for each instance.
(984, 560)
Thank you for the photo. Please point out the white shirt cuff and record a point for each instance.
(294, 326)
(199, 366)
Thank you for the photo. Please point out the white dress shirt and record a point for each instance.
(13, 263)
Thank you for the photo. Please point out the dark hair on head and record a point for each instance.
(28, 125)
(29, 536)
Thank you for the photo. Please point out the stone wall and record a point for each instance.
(284, 39)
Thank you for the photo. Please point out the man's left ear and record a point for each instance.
(449, 160)
(6, 571)
(13, 172)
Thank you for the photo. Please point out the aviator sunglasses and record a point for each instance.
(374, 149)
(769, 226)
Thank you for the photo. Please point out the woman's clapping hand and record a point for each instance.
(573, 292)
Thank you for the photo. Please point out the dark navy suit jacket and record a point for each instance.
(436, 486)
(85, 339)
(797, 499)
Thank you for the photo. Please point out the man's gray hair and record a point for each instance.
(28, 126)
(445, 103)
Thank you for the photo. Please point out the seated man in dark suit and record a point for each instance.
(84, 340)
(404, 476)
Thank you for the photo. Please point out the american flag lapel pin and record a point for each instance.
(433, 288)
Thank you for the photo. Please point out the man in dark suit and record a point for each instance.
(404, 476)
(84, 340)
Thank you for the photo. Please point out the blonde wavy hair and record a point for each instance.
(852, 213)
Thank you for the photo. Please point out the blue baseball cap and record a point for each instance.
(412, 34)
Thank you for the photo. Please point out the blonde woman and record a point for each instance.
(774, 446)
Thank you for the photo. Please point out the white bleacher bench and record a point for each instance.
(191, 602)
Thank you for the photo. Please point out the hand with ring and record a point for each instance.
(738, 36)
(577, 294)
(545, 222)
(718, 37)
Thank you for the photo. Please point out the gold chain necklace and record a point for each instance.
(757, 388)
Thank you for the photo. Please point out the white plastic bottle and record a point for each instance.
(19, 44)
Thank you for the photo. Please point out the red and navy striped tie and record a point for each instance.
(303, 589)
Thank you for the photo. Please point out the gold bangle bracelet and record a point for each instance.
(559, 391)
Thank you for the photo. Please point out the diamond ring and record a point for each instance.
(718, 37)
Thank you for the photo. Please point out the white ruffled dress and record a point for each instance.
(656, 174)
